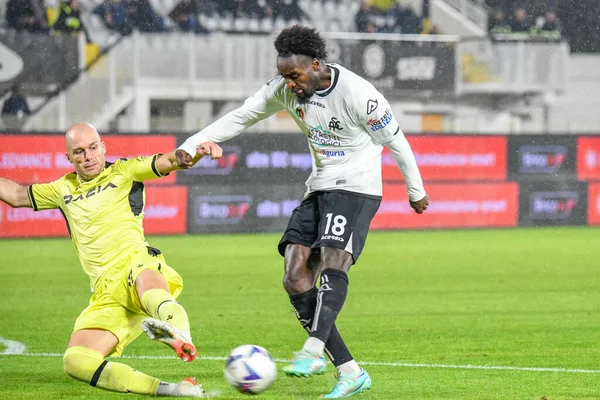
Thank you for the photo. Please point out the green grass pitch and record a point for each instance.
(422, 307)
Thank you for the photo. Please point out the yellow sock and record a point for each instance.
(160, 304)
(89, 366)
(117, 375)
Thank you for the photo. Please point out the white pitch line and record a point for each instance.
(12, 347)
(374, 363)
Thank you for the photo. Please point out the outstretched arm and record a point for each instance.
(261, 105)
(13, 194)
(179, 159)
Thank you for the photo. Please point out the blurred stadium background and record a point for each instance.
(498, 98)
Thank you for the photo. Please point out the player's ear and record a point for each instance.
(69, 158)
(103, 146)
(316, 64)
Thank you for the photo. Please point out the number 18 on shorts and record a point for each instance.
(337, 219)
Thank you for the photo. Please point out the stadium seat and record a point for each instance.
(266, 25)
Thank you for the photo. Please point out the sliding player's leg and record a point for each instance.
(104, 329)
(153, 287)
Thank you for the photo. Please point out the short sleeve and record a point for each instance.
(139, 169)
(45, 196)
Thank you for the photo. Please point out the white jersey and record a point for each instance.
(346, 126)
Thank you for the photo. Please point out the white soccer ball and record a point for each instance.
(250, 369)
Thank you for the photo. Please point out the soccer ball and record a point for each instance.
(250, 369)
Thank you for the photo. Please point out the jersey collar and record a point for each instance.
(335, 74)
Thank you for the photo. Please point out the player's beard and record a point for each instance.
(305, 96)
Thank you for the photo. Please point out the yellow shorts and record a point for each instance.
(115, 306)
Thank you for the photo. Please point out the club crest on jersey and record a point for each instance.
(334, 124)
(300, 113)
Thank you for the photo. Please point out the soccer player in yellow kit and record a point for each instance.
(133, 287)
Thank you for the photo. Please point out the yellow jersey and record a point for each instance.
(104, 215)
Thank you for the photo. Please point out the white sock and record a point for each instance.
(314, 345)
(165, 388)
(349, 369)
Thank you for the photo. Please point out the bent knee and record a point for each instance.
(294, 284)
(81, 362)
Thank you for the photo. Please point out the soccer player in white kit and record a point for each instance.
(346, 122)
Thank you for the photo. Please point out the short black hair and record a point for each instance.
(301, 40)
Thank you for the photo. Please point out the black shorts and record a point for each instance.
(337, 219)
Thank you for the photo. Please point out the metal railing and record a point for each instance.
(474, 11)
(489, 67)
(233, 67)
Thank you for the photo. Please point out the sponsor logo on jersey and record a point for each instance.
(320, 136)
(377, 124)
(300, 113)
(371, 106)
(334, 124)
(100, 188)
(316, 103)
(327, 153)
(332, 237)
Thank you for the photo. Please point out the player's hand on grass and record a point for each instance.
(420, 205)
(210, 149)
